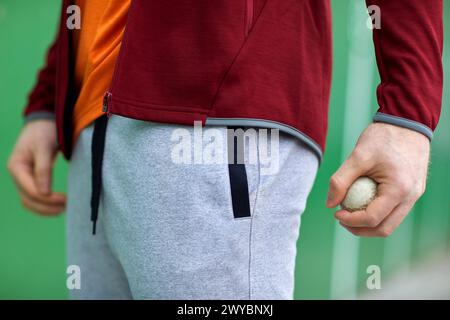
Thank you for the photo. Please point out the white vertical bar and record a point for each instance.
(357, 114)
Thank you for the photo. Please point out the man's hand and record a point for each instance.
(396, 158)
(31, 166)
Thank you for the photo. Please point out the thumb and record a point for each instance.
(341, 181)
(43, 170)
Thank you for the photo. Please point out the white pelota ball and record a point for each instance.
(360, 194)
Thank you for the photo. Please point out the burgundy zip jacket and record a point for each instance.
(260, 63)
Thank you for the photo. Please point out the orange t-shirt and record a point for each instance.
(96, 47)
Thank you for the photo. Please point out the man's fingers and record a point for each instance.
(341, 181)
(42, 208)
(23, 176)
(31, 165)
(22, 173)
(387, 227)
(43, 171)
(380, 208)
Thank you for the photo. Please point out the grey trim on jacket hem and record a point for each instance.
(39, 115)
(261, 123)
(405, 123)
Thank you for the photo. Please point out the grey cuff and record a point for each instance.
(405, 123)
(39, 115)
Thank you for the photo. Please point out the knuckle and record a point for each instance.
(423, 189)
(408, 187)
(335, 181)
(411, 192)
(418, 191)
(404, 189)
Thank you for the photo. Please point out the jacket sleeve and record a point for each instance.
(408, 49)
(41, 100)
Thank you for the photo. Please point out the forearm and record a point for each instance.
(409, 55)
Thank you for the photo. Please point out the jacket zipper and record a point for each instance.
(249, 16)
(108, 94)
(106, 103)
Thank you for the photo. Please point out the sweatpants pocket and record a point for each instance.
(239, 190)
(237, 171)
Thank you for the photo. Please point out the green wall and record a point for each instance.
(330, 263)
(31, 248)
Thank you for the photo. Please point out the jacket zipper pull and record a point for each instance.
(106, 99)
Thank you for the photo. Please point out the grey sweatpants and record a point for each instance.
(166, 229)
